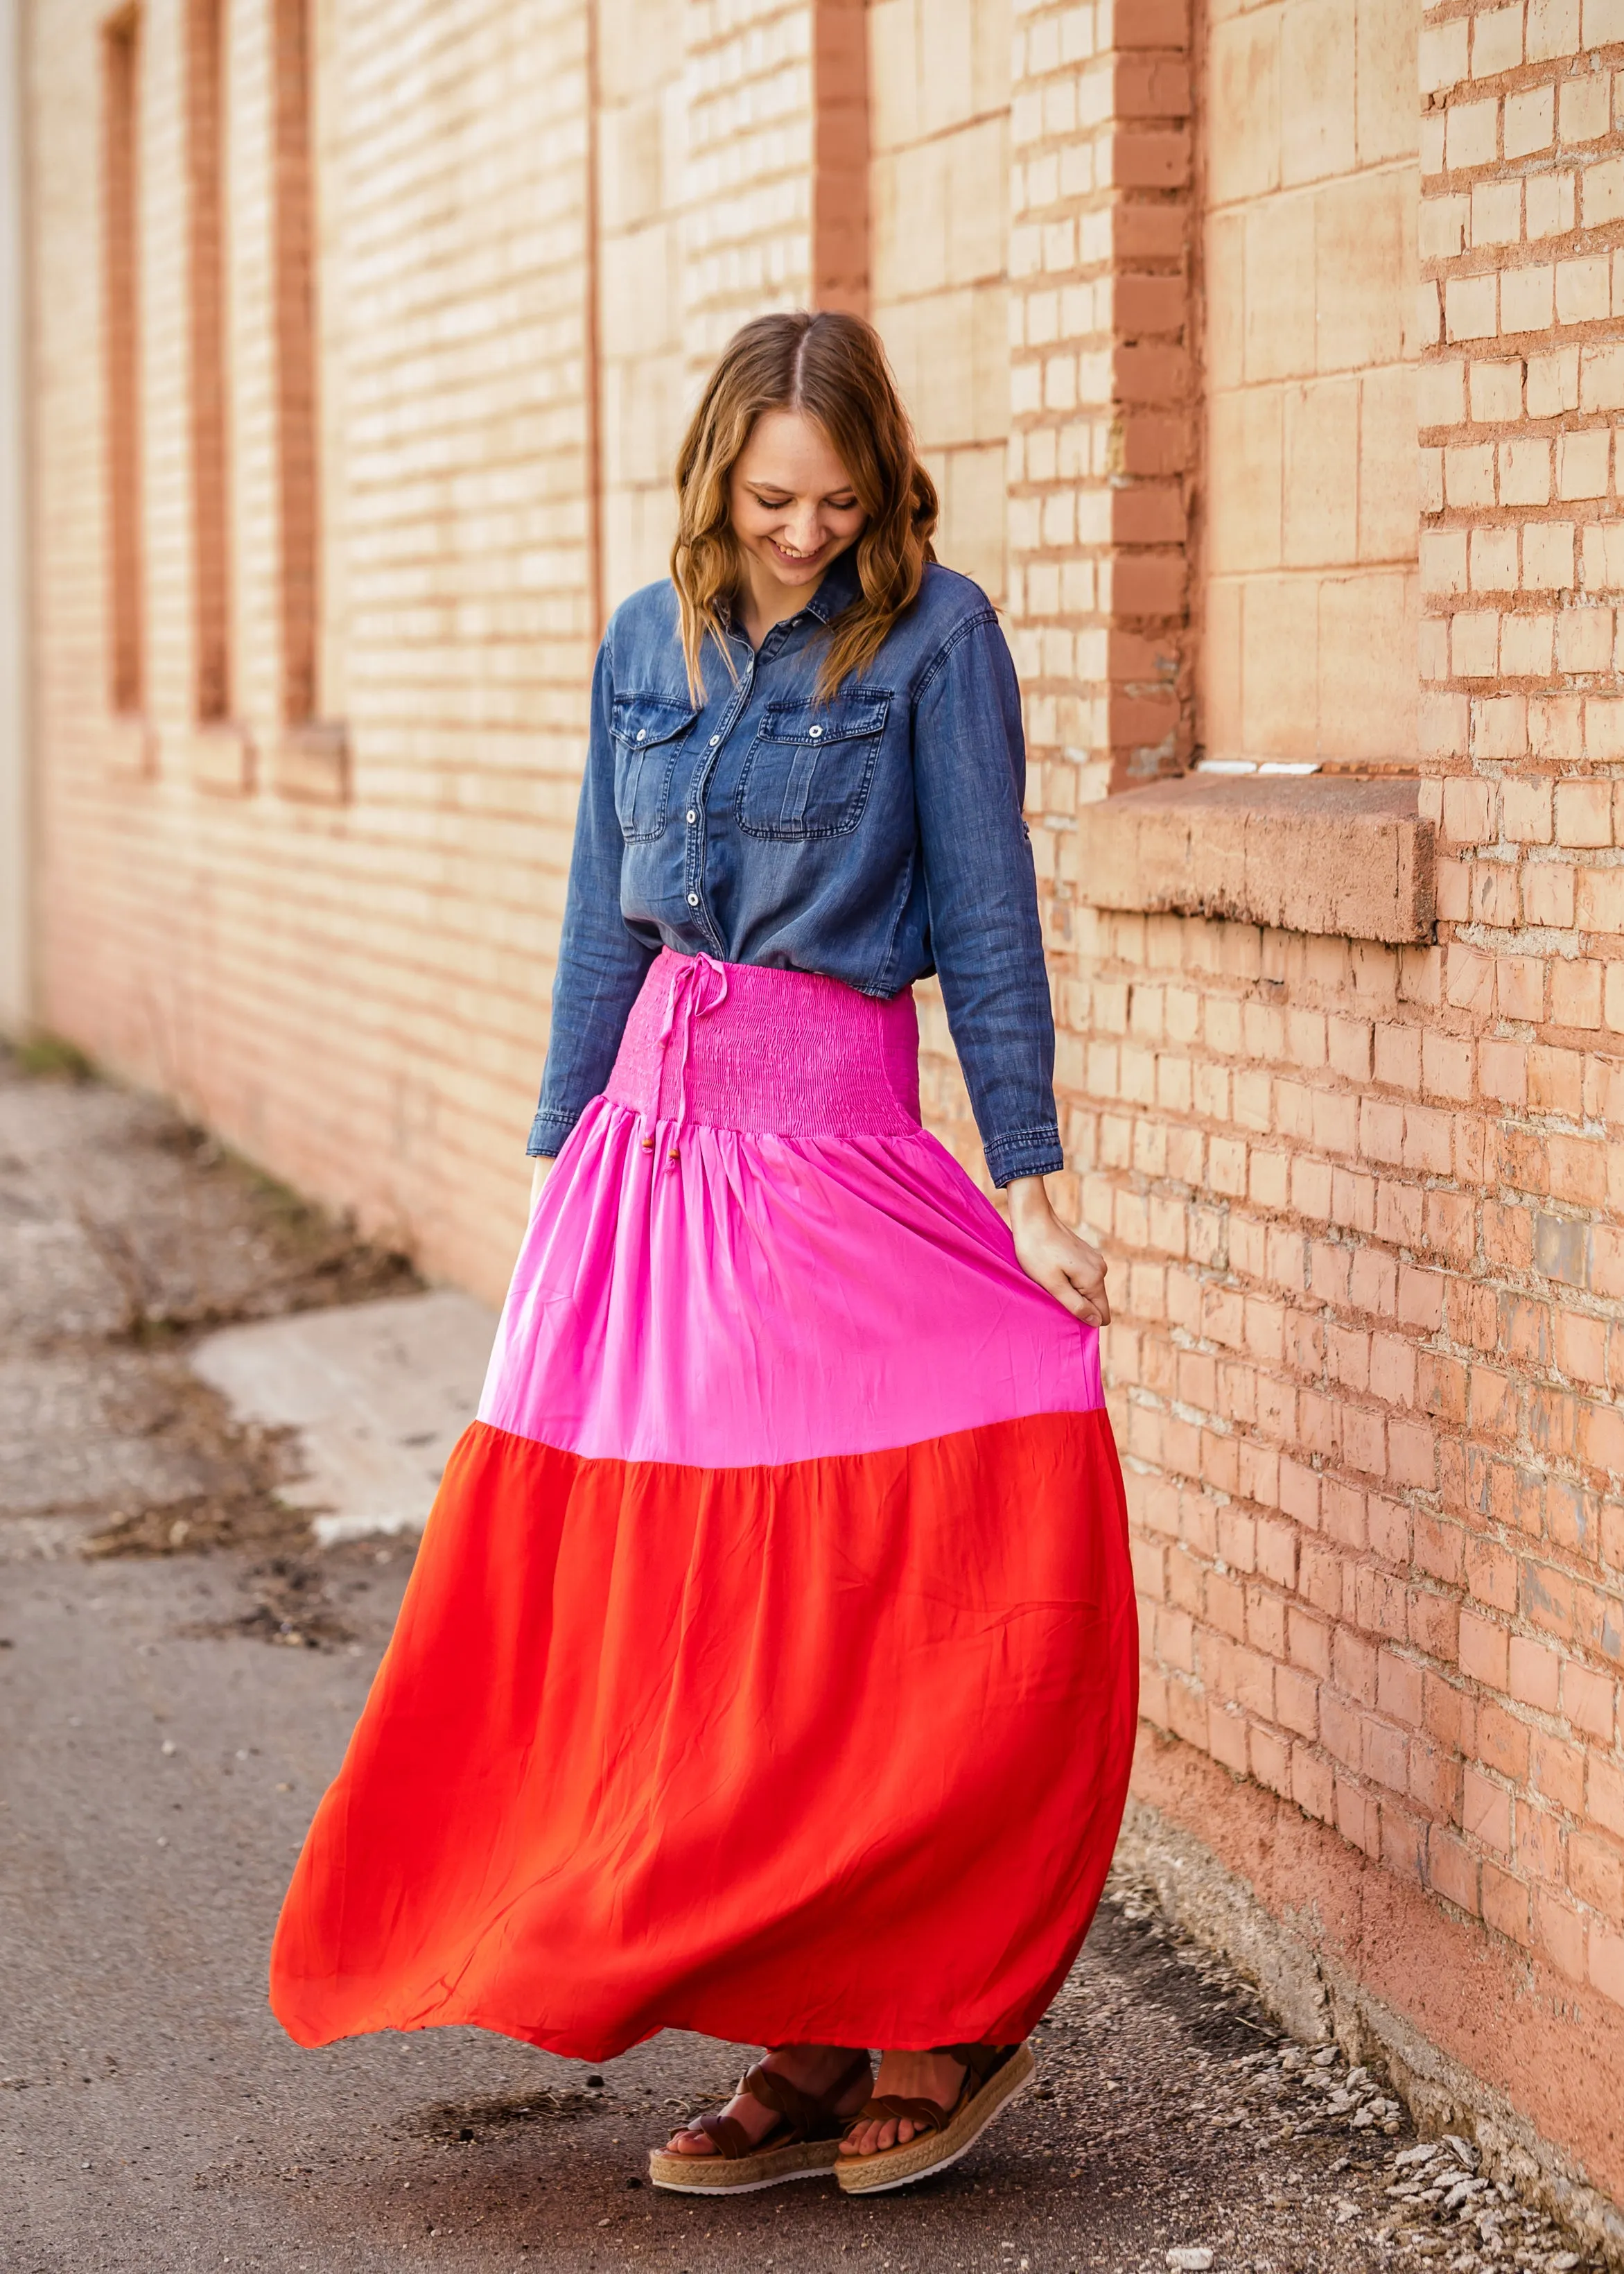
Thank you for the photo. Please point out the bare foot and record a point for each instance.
(813, 2068)
(911, 2076)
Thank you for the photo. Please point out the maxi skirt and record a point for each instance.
(768, 1664)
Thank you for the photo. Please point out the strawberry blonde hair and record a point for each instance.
(832, 368)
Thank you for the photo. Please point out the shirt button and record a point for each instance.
(692, 814)
(715, 739)
(642, 733)
(815, 732)
(693, 900)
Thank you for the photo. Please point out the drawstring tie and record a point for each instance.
(686, 1000)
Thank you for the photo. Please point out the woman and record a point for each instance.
(768, 1668)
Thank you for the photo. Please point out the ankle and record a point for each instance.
(802, 2059)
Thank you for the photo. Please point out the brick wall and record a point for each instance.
(1522, 229)
(1101, 454)
(356, 993)
(1365, 1200)
(939, 97)
(1099, 384)
(747, 183)
(938, 81)
(1155, 307)
(643, 391)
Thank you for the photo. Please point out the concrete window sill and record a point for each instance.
(218, 756)
(1315, 853)
(311, 764)
(132, 747)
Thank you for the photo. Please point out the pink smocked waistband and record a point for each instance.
(735, 1046)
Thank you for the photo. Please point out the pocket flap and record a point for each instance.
(641, 720)
(843, 720)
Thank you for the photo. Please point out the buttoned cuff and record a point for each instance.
(1025, 1153)
(548, 1132)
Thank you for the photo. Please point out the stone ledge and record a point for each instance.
(1310, 853)
(218, 756)
(311, 763)
(132, 747)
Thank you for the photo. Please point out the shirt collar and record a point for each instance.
(840, 586)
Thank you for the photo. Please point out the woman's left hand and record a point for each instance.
(1051, 1254)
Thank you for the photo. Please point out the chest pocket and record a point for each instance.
(809, 769)
(648, 732)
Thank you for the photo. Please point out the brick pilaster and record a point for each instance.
(1100, 151)
(839, 202)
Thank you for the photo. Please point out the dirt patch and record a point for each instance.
(236, 1504)
(301, 1259)
(290, 1607)
(475, 2120)
(125, 1234)
(130, 1224)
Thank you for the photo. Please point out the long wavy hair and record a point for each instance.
(831, 367)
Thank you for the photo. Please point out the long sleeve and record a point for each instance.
(969, 776)
(601, 966)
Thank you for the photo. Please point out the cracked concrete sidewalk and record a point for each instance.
(221, 1419)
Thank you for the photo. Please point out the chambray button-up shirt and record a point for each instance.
(873, 838)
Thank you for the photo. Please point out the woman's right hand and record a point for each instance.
(539, 1172)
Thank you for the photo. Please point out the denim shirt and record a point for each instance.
(872, 839)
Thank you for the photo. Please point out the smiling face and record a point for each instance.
(790, 501)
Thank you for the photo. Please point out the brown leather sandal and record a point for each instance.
(803, 2145)
(993, 2076)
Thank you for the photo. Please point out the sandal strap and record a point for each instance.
(801, 2115)
(796, 2109)
(730, 2139)
(925, 2115)
(979, 2062)
(806, 2115)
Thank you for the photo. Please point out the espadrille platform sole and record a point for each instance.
(772, 2167)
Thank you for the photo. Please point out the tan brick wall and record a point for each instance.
(1100, 452)
(939, 100)
(329, 189)
(1308, 128)
(1522, 232)
(938, 198)
(746, 232)
(355, 994)
(722, 192)
(644, 387)
(1100, 383)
